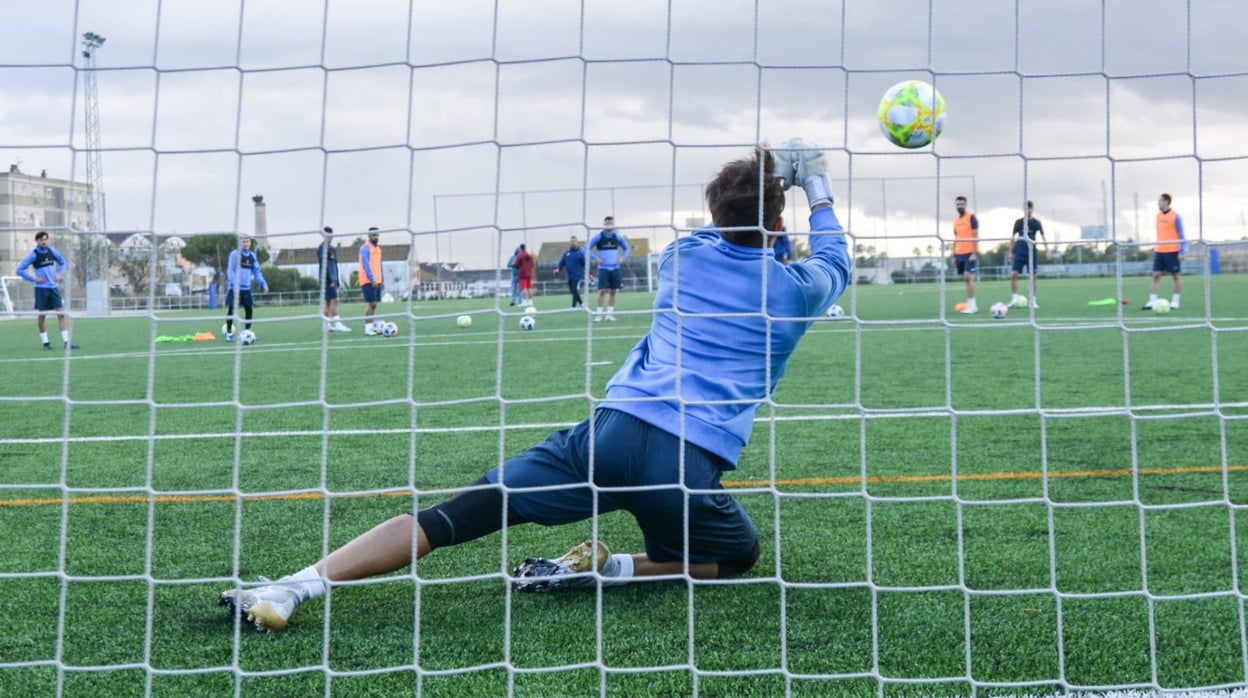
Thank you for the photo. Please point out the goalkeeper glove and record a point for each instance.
(811, 170)
(786, 165)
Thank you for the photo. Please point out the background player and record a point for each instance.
(372, 282)
(966, 250)
(610, 249)
(1023, 252)
(242, 268)
(49, 268)
(327, 260)
(573, 261)
(1167, 256)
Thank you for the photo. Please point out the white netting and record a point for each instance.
(1044, 504)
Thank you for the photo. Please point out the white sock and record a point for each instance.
(43, 337)
(1174, 300)
(600, 310)
(610, 310)
(308, 580)
(65, 333)
(337, 319)
(970, 304)
(623, 572)
(1152, 298)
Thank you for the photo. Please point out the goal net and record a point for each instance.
(1044, 503)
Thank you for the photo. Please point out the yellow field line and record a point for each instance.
(799, 482)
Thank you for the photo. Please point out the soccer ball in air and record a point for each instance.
(463, 321)
(527, 323)
(247, 337)
(1161, 306)
(389, 329)
(836, 312)
(912, 114)
(999, 310)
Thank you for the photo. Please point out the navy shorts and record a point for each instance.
(549, 484)
(331, 292)
(48, 299)
(244, 298)
(1167, 262)
(964, 264)
(610, 279)
(1024, 260)
(372, 294)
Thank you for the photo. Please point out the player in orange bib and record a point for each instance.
(1171, 244)
(966, 250)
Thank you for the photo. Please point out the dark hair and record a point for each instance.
(1166, 197)
(960, 198)
(373, 229)
(733, 198)
(329, 229)
(42, 234)
(1030, 204)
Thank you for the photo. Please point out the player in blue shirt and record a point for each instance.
(327, 262)
(516, 296)
(783, 249)
(242, 268)
(677, 414)
(610, 250)
(49, 268)
(573, 264)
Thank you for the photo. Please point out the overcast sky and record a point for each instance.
(472, 125)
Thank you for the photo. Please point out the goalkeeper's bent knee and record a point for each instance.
(741, 565)
(466, 516)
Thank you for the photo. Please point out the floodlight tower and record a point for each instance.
(91, 43)
(93, 247)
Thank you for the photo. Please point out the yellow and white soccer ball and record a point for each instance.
(463, 321)
(1161, 306)
(1019, 301)
(912, 114)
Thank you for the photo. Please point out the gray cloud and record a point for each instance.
(414, 116)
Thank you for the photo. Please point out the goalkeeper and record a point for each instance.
(676, 415)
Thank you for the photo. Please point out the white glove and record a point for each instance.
(786, 163)
(811, 169)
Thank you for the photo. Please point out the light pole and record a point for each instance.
(96, 262)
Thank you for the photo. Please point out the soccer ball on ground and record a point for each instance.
(1019, 301)
(836, 311)
(999, 310)
(463, 321)
(530, 309)
(389, 329)
(527, 323)
(1161, 306)
(912, 114)
(247, 337)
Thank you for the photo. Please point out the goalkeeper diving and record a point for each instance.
(676, 415)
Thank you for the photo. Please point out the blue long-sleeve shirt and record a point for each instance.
(327, 260)
(610, 248)
(47, 263)
(727, 320)
(243, 267)
(574, 262)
